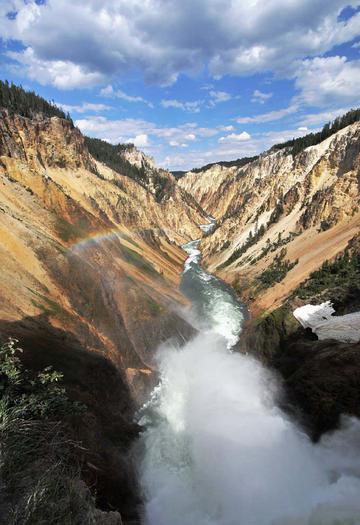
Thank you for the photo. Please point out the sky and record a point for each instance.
(187, 81)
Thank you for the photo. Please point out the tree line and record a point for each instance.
(299, 144)
(26, 103)
(111, 155)
(227, 163)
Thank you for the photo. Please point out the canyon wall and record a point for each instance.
(282, 214)
(90, 267)
(86, 249)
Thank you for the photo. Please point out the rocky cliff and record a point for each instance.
(281, 216)
(90, 266)
(86, 248)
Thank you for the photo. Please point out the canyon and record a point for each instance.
(303, 208)
(92, 260)
(89, 284)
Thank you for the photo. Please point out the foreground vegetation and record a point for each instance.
(39, 456)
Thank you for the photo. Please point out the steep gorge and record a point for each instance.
(88, 249)
(90, 267)
(300, 209)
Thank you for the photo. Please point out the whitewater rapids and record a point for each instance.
(218, 450)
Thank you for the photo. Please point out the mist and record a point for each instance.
(218, 450)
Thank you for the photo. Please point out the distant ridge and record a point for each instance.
(226, 163)
(295, 145)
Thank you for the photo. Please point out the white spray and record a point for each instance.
(218, 451)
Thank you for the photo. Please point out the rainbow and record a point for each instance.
(90, 241)
(112, 234)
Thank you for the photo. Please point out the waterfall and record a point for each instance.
(219, 451)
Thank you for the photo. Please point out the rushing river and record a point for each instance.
(217, 449)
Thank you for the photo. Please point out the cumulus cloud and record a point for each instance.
(176, 144)
(216, 97)
(233, 137)
(229, 150)
(140, 141)
(227, 128)
(110, 92)
(328, 81)
(60, 73)
(259, 96)
(87, 41)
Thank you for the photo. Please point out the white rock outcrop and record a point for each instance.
(344, 328)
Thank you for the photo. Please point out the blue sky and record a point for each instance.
(190, 81)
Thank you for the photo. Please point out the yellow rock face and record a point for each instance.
(86, 252)
(310, 203)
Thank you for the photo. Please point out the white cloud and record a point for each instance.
(233, 137)
(176, 144)
(89, 40)
(125, 130)
(302, 128)
(191, 107)
(229, 150)
(316, 119)
(140, 141)
(159, 139)
(259, 96)
(331, 81)
(84, 107)
(296, 29)
(219, 96)
(107, 91)
(227, 128)
(270, 116)
(110, 92)
(207, 87)
(356, 45)
(62, 74)
(328, 81)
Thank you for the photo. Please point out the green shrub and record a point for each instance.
(38, 453)
(276, 272)
(251, 239)
(333, 278)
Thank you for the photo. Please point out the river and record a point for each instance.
(218, 450)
